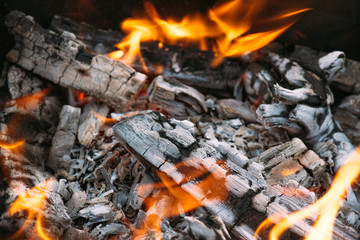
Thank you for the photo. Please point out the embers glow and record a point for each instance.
(32, 202)
(226, 30)
(326, 207)
(171, 199)
(288, 172)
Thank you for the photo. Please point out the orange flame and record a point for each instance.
(227, 26)
(31, 100)
(178, 200)
(12, 146)
(327, 206)
(32, 201)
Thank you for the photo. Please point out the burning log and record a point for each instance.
(189, 66)
(176, 151)
(63, 60)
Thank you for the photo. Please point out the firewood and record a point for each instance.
(90, 123)
(175, 98)
(242, 184)
(64, 138)
(189, 66)
(63, 60)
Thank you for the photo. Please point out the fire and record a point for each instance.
(12, 146)
(226, 30)
(105, 120)
(32, 100)
(172, 194)
(32, 201)
(326, 207)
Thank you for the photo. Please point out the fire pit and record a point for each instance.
(195, 127)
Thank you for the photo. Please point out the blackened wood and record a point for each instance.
(96, 40)
(348, 115)
(231, 108)
(175, 98)
(160, 143)
(63, 60)
(189, 66)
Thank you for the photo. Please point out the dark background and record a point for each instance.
(331, 25)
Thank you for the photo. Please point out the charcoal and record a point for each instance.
(241, 183)
(64, 138)
(348, 116)
(175, 98)
(332, 64)
(96, 213)
(103, 231)
(90, 123)
(232, 108)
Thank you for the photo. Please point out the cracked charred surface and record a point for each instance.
(63, 60)
(168, 146)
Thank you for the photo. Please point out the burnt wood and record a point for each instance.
(63, 60)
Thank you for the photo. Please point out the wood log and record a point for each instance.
(189, 66)
(160, 144)
(64, 138)
(63, 60)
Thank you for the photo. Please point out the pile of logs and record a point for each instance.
(266, 130)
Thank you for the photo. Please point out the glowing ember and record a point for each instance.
(327, 206)
(227, 26)
(288, 172)
(172, 194)
(32, 202)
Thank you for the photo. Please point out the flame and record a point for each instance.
(32, 201)
(12, 146)
(227, 27)
(105, 120)
(32, 100)
(327, 206)
(181, 201)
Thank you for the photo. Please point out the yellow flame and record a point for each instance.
(32, 201)
(327, 206)
(227, 26)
